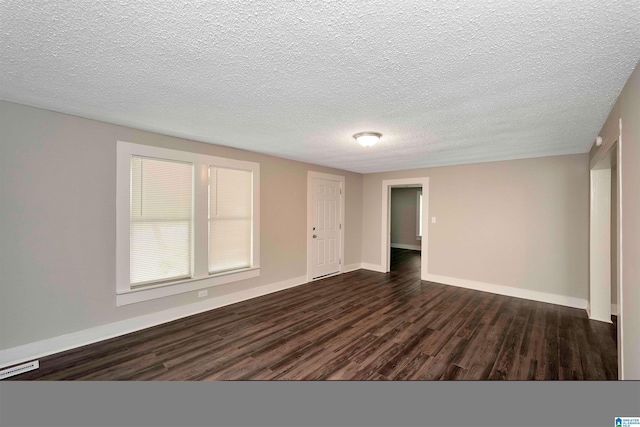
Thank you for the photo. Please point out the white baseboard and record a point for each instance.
(403, 246)
(352, 267)
(23, 353)
(510, 291)
(614, 310)
(14, 355)
(373, 267)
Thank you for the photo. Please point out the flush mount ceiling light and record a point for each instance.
(367, 139)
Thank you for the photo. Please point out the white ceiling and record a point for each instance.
(445, 82)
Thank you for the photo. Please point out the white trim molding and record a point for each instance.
(600, 245)
(352, 267)
(403, 246)
(159, 291)
(418, 215)
(199, 276)
(23, 353)
(620, 306)
(510, 291)
(341, 179)
(373, 267)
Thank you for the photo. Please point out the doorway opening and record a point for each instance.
(605, 242)
(404, 228)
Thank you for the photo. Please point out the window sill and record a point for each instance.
(146, 293)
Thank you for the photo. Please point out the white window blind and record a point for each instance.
(161, 220)
(230, 219)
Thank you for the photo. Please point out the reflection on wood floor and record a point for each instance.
(357, 326)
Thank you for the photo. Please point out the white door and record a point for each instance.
(325, 248)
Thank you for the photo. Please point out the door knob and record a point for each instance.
(314, 236)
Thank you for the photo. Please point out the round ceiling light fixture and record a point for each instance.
(367, 139)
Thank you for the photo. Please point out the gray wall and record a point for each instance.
(57, 222)
(404, 216)
(521, 223)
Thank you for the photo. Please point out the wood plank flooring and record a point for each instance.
(357, 326)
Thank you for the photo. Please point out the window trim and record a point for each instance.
(201, 278)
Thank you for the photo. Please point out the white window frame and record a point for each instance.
(200, 278)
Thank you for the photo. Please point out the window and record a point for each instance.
(229, 219)
(184, 221)
(161, 220)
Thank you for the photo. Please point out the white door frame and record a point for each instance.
(310, 176)
(611, 148)
(385, 226)
(599, 307)
(618, 154)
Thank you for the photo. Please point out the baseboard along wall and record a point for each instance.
(403, 246)
(31, 351)
(500, 289)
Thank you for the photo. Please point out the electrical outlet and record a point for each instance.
(203, 293)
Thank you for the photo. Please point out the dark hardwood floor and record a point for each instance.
(357, 326)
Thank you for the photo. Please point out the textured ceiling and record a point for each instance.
(445, 82)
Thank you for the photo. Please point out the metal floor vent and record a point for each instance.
(15, 370)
